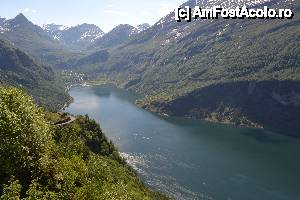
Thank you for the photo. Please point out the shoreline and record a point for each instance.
(164, 114)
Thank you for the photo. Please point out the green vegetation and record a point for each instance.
(114, 38)
(173, 61)
(33, 40)
(97, 82)
(19, 70)
(41, 161)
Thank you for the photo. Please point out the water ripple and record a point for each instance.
(164, 183)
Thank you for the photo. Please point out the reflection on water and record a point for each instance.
(167, 184)
(192, 159)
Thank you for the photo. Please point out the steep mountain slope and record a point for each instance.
(79, 36)
(74, 161)
(173, 61)
(140, 28)
(2, 21)
(118, 35)
(115, 37)
(55, 31)
(18, 69)
(35, 41)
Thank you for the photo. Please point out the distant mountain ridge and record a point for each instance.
(2, 22)
(78, 36)
(175, 64)
(59, 45)
(20, 22)
(35, 41)
(140, 28)
(118, 35)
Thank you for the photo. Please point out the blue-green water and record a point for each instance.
(191, 159)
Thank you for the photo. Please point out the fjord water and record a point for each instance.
(192, 159)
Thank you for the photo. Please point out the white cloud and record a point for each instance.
(28, 10)
(110, 6)
(116, 12)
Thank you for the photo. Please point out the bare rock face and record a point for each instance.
(80, 35)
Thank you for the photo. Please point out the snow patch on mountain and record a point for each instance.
(84, 33)
(3, 25)
(139, 28)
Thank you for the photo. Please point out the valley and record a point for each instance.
(223, 96)
(191, 159)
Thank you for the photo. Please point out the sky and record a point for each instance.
(106, 14)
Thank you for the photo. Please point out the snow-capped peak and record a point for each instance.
(84, 33)
(140, 28)
(54, 27)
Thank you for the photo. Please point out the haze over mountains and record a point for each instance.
(118, 35)
(177, 64)
(198, 69)
(59, 45)
(32, 39)
(238, 71)
(77, 36)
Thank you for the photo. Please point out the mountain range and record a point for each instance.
(59, 45)
(34, 163)
(33, 40)
(86, 35)
(27, 50)
(244, 72)
(77, 36)
(241, 72)
(118, 35)
(232, 71)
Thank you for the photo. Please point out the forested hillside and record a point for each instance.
(36, 42)
(172, 61)
(42, 161)
(20, 70)
(237, 71)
